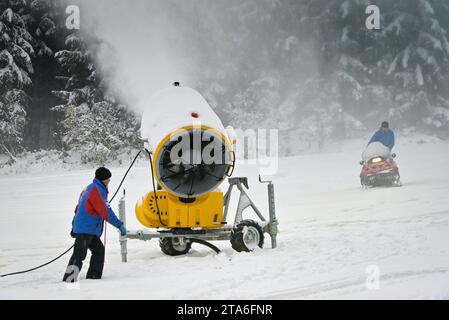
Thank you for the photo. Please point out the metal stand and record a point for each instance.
(245, 202)
(123, 239)
(223, 233)
(272, 227)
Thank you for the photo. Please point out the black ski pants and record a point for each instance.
(83, 242)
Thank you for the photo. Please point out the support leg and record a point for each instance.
(123, 239)
(273, 223)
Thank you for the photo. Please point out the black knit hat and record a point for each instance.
(102, 174)
(385, 124)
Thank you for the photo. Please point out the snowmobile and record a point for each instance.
(379, 168)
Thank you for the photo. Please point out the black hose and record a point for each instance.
(62, 254)
(205, 243)
(124, 177)
(154, 188)
(43, 265)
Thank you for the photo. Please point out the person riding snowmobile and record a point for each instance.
(384, 135)
(379, 168)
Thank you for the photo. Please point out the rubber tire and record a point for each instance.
(237, 242)
(166, 245)
(397, 181)
(362, 182)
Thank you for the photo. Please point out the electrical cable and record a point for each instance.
(43, 265)
(124, 177)
(154, 188)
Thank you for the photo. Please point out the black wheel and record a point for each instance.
(246, 236)
(175, 246)
(396, 181)
(363, 182)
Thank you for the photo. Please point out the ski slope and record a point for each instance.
(334, 237)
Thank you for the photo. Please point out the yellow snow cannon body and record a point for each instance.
(187, 195)
(191, 153)
(205, 211)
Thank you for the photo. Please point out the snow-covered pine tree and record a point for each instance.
(91, 123)
(347, 55)
(329, 68)
(46, 22)
(416, 63)
(16, 68)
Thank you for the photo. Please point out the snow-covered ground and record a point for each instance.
(335, 237)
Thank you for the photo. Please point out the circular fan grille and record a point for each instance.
(193, 162)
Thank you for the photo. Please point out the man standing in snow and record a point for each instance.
(90, 213)
(384, 135)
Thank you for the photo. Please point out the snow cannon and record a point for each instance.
(191, 154)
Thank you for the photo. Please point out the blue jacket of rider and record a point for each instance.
(386, 137)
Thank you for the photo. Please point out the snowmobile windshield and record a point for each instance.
(375, 149)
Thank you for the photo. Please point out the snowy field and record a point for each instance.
(334, 235)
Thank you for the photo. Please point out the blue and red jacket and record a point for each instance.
(93, 209)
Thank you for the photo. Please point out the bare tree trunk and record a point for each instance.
(9, 153)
